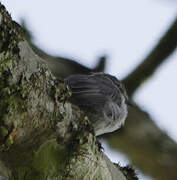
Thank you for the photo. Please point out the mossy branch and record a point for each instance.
(43, 136)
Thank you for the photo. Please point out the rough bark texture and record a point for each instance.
(29, 101)
(42, 135)
(141, 136)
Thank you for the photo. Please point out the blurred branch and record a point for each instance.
(62, 67)
(158, 55)
(148, 147)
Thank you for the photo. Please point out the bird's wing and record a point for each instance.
(85, 90)
(92, 91)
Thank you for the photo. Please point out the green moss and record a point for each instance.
(48, 162)
(9, 141)
(22, 172)
(16, 104)
(10, 105)
(3, 132)
(50, 159)
(10, 33)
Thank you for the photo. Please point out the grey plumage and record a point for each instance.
(102, 97)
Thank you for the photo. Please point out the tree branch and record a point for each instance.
(146, 145)
(157, 56)
(62, 67)
(42, 135)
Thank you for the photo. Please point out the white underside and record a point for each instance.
(108, 124)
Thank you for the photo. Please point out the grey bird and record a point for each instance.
(102, 97)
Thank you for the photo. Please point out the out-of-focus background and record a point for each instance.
(125, 32)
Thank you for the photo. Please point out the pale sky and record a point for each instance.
(124, 30)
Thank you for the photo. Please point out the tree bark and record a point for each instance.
(42, 135)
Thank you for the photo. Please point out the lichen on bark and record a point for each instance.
(43, 136)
